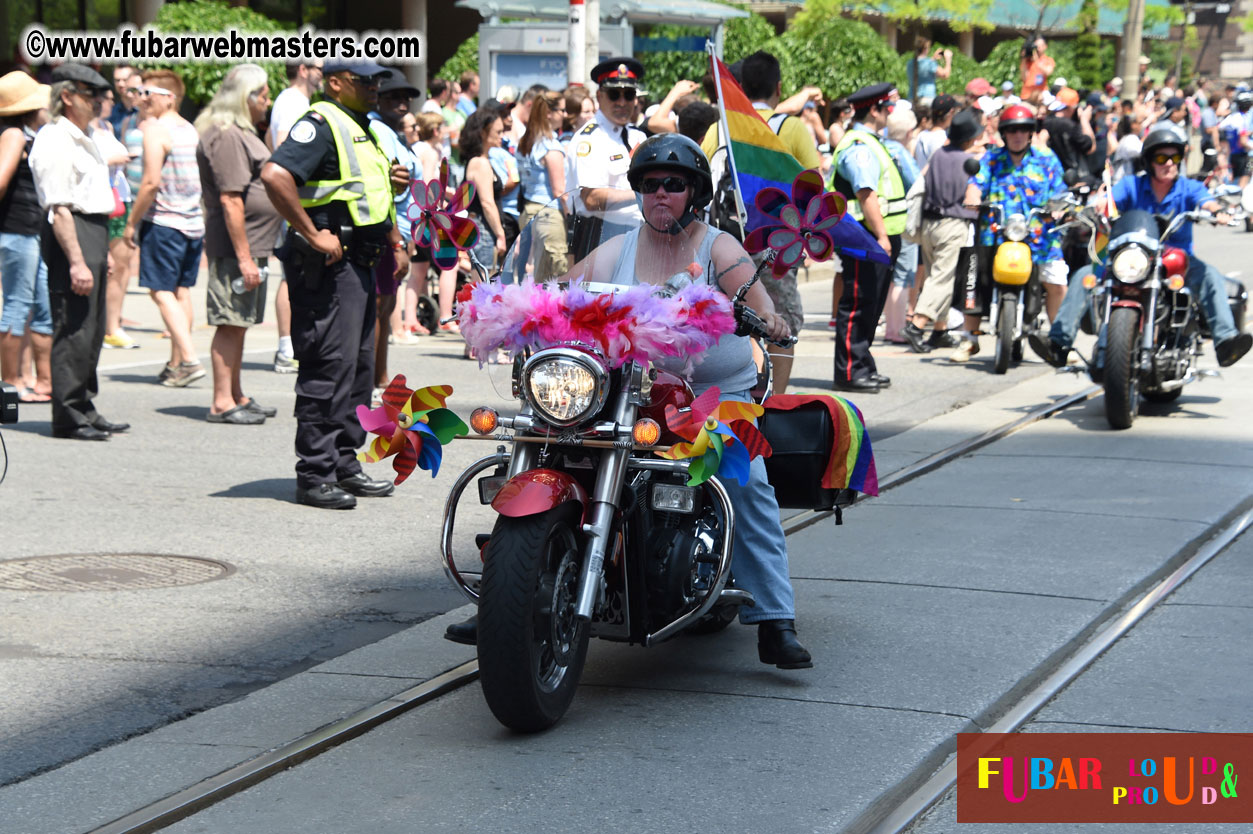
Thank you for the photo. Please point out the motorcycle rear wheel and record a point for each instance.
(1122, 397)
(1006, 321)
(531, 645)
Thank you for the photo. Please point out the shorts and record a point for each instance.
(1055, 273)
(1239, 165)
(118, 224)
(227, 307)
(785, 295)
(168, 259)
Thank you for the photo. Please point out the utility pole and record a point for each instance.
(1131, 45)
(591, 47)
(576, 70)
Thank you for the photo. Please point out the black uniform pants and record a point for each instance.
(857, 315)
(333, 339)
(77, 322)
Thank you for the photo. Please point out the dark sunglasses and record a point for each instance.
(363, 81)
(674, 185)
(1162, 159)
(614, 93)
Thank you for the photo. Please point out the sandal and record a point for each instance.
(29, 395)
(240, 415)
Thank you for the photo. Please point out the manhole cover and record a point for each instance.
(107, 572)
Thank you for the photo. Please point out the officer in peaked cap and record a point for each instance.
(600, 154)
(865, 173)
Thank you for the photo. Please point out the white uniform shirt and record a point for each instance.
(600, 159)
(69, 170)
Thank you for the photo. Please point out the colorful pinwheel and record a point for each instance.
(412, 425)
(436, 225)
(804, 223)
(721, 437)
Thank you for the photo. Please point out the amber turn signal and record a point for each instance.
(646, 432)
(483, 420)
(1175, 283)
(1089, 282)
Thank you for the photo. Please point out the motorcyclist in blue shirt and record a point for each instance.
(1160, 190)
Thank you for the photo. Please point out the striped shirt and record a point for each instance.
(177, 204)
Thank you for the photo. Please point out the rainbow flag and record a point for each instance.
(758, 160)
(851, 464)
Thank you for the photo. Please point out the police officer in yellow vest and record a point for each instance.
(866, 175)
(334, 186)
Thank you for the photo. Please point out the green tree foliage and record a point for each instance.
(835, 54)
(203, 79)
(1087, 47)
(961, 15)
(743, 37)
(465, 58)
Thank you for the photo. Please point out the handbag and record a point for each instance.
(913, 209)
(119, 208)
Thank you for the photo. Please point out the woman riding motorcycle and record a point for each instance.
(1162, 191)
(671, 177)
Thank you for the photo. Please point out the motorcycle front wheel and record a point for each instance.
(531, 645)
(1122, 397)
(1006, 321)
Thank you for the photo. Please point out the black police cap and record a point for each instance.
(81, 74)
(618, 72)
(871, 95)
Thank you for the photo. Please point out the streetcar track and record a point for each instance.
(886, 815)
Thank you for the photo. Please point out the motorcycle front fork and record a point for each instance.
(994, 315)
(610, 477)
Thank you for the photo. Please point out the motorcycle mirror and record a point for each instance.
(971, 166)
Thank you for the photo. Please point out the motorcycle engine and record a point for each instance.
(682, 558)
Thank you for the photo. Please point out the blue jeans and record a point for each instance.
(906, 268)
(24, 277)
(1204, 282)
(759, 553)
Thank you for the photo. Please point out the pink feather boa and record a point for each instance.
(634, 325)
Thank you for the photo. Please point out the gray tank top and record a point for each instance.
(728, 364)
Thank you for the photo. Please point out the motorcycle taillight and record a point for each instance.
(1174, 261)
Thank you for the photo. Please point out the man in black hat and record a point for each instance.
(72, 181)
(600, 153)
(865, 173)
(342, 219)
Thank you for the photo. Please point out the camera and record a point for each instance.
(9, 398)
(1028, 48)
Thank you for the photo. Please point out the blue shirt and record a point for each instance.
(1018, 190)
(533, 173)
(1185, 195)
(395, 149)
(858, 164)
(921, 73)
(466, 106)
(506, 168)
(905, 161)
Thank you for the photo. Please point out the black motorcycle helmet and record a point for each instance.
(674, 151)
(1163, 134)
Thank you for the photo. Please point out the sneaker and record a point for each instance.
(166, 372)
(184, 375)
(963, 352)
(916, 338)
(119, 341)
(406, 338)
(942, 339)
(285, 364)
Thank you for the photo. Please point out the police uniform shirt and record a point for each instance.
(309, 154)
(859, 165)
(600, 160)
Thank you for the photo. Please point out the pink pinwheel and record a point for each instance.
(804, 222)
(436, 225)
(412, 425)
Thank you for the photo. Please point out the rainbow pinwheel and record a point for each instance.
(804, 223)
(721, 437)
(412, 425)
(436, 225)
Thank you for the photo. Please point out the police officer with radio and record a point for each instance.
(600, 153)
(866, 175)
(334, 186)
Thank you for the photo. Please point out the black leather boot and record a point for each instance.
(465, 632)
(777, 644)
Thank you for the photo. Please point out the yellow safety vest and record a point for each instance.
(365, 184)
(891, 190)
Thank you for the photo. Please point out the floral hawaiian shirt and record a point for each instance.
(1019, 189)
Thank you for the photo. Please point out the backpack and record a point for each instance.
(723, 212)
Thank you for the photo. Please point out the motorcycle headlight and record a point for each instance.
(1131, 265)
(564, 386)
(1016, 227)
